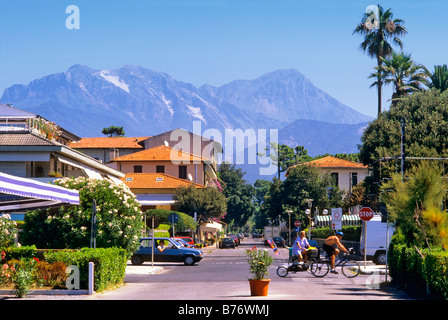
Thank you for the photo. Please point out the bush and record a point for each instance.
(411, 271)
(22, 252)
(119, 218)
(110, 264)
(351, 233)
(7, 230)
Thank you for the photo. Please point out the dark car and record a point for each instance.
(227, 243)
(235, 239)
(279, 242)
(173, 252)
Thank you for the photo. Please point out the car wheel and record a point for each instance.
(136, 260)
(189, 261)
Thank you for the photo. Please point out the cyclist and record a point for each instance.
(331, 246)
(300, 246)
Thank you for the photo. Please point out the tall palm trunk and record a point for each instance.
(380, 85)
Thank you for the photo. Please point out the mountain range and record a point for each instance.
(145, 102)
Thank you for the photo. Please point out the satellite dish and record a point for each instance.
(166, 143)
(190, 177)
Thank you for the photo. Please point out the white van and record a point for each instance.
(377, 234)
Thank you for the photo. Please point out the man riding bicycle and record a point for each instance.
(331, 245)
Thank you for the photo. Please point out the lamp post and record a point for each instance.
(289, 227)
(329, 193)
(308, 213)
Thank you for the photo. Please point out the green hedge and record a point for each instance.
(411, 271)
(110, 265)
(351, 233)
(17, 253)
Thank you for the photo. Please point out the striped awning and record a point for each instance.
(28, 188)
(346, 219)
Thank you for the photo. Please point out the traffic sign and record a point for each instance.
(297, 223)
(365, 214)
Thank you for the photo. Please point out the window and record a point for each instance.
(335, 178)
(138, 169)
(183, 172)
(354, 179)
(160, 169)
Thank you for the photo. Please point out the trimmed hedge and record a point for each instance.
(17, 253)
(411, 271)
(110, 264)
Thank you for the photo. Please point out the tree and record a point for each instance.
(378, 28)
(401, 71)
(239, 194)
(208, 203)
(426, 116)
(113, 131)
(285, 156)
(438, 79)
(415, 204)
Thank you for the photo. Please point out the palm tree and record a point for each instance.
(403, 73)
(437, 79)
(377, 37)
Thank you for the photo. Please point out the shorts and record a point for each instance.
(329, 249)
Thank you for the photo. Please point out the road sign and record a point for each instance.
(173, 218)
(365, 214)
(297, 223)
(336, 218)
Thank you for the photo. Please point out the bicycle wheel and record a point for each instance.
(320, 268)
(282, 271)
(350, 269)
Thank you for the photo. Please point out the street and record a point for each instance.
(223, 275)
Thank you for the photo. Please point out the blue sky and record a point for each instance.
(214, 41)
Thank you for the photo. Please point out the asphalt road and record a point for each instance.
(223, 275)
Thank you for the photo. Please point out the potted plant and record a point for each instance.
(259, 261)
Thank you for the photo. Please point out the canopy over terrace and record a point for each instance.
(21, 194)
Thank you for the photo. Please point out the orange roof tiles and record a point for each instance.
(108, 142)
(160, 153)
(331, 162)
(151, 180)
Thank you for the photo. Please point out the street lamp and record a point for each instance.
(329, 193)
(308, 213)
(289, 228)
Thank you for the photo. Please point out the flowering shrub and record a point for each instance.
(118, 216)
(259, 261)
(7, 230)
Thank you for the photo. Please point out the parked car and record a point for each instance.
(174, 252)
(235, 239)
(183, 242)
(227, 243)
(279, 242)
(187, 239)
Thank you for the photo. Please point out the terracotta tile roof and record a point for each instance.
(333, 162)
(156, 181)
(108, 142)
(330, 162)
(160, 153)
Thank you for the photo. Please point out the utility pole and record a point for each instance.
(403, 156)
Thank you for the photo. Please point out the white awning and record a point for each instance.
(150, 199)
(91, 173)
(211, 227)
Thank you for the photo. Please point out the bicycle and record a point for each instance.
(349, 267)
